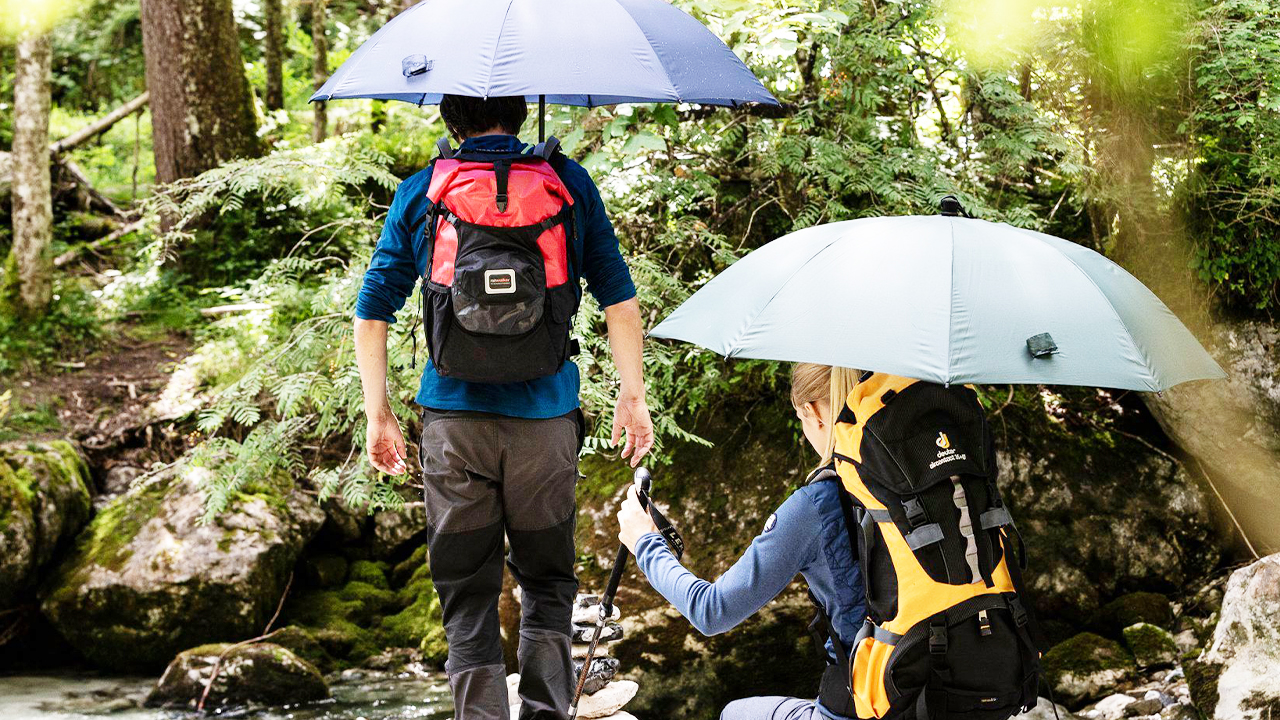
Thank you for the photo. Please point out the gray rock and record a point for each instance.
(1165, 698)
(1232, 426)
(1099, 519)
(1238, 676)
(582, 633)
(1111, 707)
(1045, 710)
(1151, 646)
(258, 674)
(1179, 711)
(146, 579)
(393, 528)
(603, 669)
(44, 501)
(1143, 708)
(608, 700)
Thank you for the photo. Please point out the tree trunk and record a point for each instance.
(320, 71)
(273, 53)
(202, 111)
(31, 264)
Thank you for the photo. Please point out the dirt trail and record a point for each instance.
(106, 404)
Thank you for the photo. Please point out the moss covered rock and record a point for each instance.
(1134, 608)
(146, 579)
(1152, 646)
(257, 674)
(44, 502)
(376, 608)
(1086, 667)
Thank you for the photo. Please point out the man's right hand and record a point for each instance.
(386, 443)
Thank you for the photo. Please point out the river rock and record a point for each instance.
(603, 669)
(1151, 646)
(1045, 710)
(583, 633)
(607, 701)
(147, 579)
(1238, 676)
(590, 614)
(44, 501)
(1086, 667)
(257, 674)
(1111, 707)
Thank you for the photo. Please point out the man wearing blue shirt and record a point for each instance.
(500, 459)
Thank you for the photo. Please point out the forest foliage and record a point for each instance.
(888, 105)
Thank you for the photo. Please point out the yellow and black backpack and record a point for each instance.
(947, 634)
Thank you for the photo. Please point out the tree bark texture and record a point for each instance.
(202, 111)
(320, 71)
(273, 53)
(32, 263)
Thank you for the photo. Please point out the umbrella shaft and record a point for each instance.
(542, 118)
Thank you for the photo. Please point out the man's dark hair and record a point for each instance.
(466, 116)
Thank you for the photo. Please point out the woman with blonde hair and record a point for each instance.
(806, 535)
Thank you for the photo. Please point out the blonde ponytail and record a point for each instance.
(812, 383)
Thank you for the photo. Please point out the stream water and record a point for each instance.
(355, 697)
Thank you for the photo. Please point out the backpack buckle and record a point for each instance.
(502, 202)
(984, 623)
(938, 639)
(915, 511)
(1019, 612)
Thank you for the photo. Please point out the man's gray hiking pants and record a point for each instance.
(486, 477)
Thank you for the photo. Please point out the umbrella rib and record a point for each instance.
(497, 45)
(776, 293)
(661, 67)
(1152, 383)
(951, 301)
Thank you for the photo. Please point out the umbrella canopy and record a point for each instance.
(943, 299)
(573, 52)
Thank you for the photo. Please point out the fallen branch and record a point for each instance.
(229, 309)
(76, 174)
(99, 126)
(75, 252)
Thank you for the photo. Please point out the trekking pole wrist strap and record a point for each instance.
(670, 535)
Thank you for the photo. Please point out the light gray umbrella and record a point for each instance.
(943, 299)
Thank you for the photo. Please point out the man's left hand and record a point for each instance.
(631, 415)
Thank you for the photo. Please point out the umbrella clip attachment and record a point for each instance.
(1042, 345)
(413, 65)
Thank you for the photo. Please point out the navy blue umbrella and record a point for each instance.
(570, 52)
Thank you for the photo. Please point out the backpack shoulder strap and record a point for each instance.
(547, 148)
(446, 150)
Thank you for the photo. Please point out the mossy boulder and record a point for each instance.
(146, 578)
(375, 609)
(1086, 667)
(1134, 608)
(44, 501)
(1152, 646)
(259, 674)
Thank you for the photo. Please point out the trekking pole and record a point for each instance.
(643, 482)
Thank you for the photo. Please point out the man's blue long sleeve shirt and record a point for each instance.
(400, 259)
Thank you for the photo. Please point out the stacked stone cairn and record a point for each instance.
(603, 697)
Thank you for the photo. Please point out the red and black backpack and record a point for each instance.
(499, 294)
